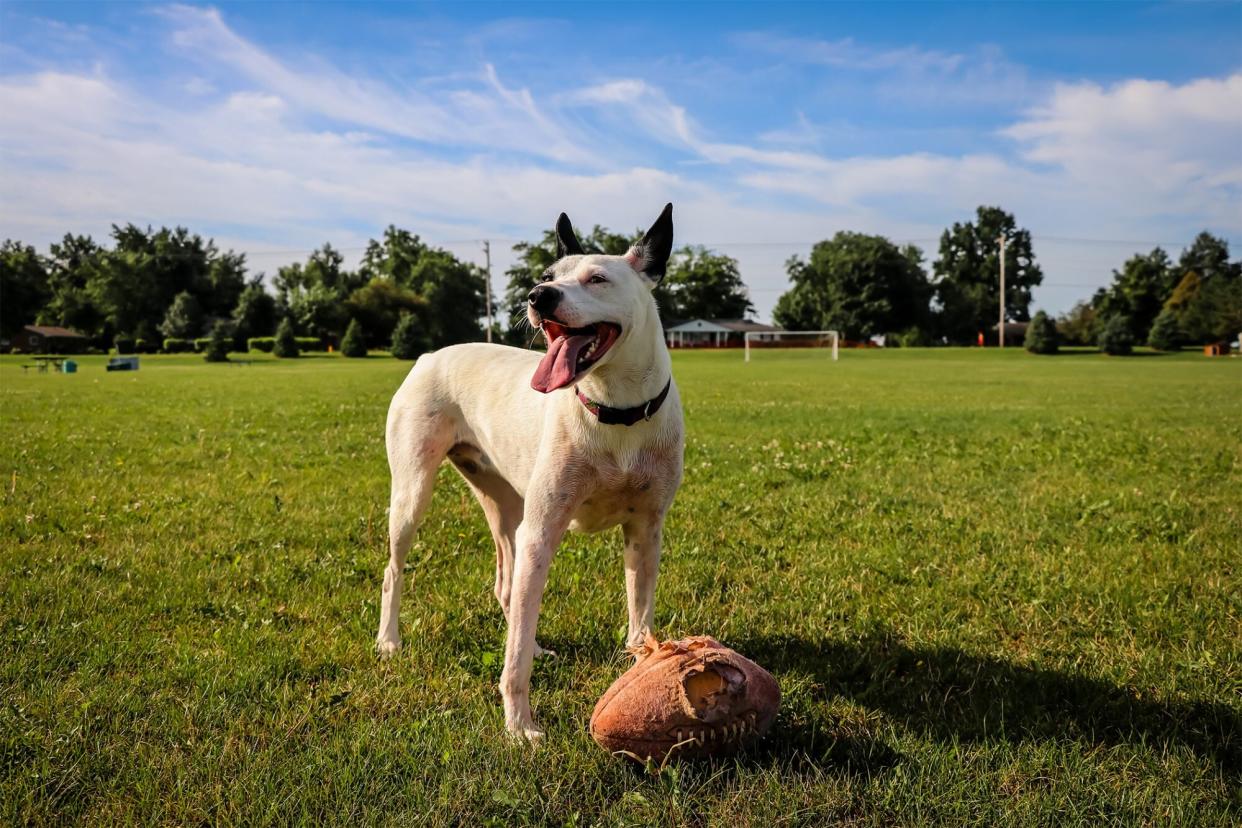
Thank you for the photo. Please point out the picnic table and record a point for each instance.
(41, 363)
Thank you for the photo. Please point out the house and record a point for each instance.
(1015, 333)
(49, 339)
(711, 333)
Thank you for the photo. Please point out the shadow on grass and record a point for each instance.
(947, 693)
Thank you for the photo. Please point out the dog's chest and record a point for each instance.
(617, 492)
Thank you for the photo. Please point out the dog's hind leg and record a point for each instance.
(415, 450)
(502, 506)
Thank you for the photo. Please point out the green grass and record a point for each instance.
(994, 587)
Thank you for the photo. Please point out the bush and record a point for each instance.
(354, 344)
(286, 343)
(909, 338)
(145, 346)
(123, 344)
(1165, 334)
(201, 343)
(218, 343)
(175, 345)
(407, 340)
(261, 343)
(1041, 335)
(310, 343)
(1115, 337)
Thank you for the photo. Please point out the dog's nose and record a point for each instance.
(544, 299)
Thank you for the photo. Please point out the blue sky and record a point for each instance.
(1106, 128)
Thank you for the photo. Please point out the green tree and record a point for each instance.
(218, 344)
(967, 274)
(1138, 291)
(1165, 334)
(704, 285)
(453, 290)
(354, 343)
(72, 264)
(1041, 335)
(1077, 325)
(857, 284)
(255, 312)
(536, 257)
(1116, 337)
(314, 293)
(24, 286)
(318, 311)
(286, 345)
(378, 305)
(1207, 301)
(184, 319)
(408, 342)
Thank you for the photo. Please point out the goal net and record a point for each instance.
(762, 340)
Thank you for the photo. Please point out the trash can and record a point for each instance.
(69, 366)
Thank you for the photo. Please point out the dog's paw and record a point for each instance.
(529, 734)
(386, 647)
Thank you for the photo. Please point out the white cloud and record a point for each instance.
(1145, 147)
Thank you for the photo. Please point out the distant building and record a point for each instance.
(711, 333)
(1015, 333)
(49, 339)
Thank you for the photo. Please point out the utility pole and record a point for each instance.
(487, 251)
(1000, 329)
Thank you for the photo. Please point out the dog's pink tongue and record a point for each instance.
(558, 366)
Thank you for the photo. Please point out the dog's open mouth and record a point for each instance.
(571, 352)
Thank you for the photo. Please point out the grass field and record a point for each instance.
(995, 588)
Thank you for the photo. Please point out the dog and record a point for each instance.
(587, 437)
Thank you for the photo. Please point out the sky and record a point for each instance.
(1107, 128)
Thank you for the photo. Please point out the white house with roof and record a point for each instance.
(712, 333)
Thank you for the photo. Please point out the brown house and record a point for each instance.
(49, 339)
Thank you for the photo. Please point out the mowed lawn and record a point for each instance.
(994, 587)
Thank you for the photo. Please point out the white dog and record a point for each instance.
(597, 443)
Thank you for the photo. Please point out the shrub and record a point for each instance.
(354, 344)
(123, 344)
(201, 343)
(218, 343)
(909, 338)
(1115, 337)
(145, 346)
(1165, 334)
(407, 340)
(175, 345)
(1041, 335)
(286, 343)
(310, 343)
(261, 343)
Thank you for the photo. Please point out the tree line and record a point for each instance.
(157, 286)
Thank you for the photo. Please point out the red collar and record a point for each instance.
(625, 416)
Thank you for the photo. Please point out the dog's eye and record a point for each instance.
(596, 279)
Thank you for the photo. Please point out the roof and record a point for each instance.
(720, 326)
(52, 331)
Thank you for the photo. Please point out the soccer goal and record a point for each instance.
(792, 339)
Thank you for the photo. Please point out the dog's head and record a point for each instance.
(587, 304)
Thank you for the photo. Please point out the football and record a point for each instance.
(686, 698)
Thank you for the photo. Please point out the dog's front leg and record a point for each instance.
(545, 519)
(642, 565)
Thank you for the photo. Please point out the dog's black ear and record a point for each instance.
(567, 243)
(650, 256)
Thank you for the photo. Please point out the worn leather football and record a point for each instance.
(693, 697)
